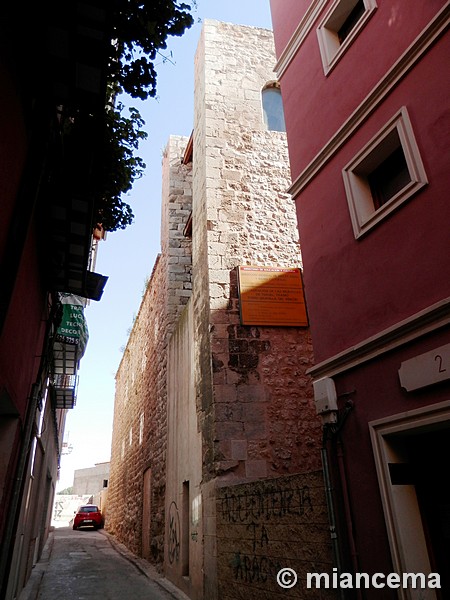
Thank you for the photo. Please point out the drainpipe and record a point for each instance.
(331, 511)
(326, 406)
(347, 510)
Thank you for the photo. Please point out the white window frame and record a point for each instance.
(331, 49)
(363, 214)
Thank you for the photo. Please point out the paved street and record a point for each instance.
(85, 565)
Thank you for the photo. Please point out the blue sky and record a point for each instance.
(127, 257)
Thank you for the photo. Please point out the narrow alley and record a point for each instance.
(86, 564)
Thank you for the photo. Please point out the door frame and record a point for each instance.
(400, 505)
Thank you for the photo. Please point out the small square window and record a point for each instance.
(351, 21)
(340, 26)
(384, 174)
(391, 176)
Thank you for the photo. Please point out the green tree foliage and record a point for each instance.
(139, 32)
(120, 166)
(140, 29)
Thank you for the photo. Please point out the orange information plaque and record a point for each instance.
(272, 296)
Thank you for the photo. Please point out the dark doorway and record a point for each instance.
(429, 454)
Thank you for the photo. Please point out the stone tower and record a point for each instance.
(227, 477)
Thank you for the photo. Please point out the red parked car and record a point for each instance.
(88, 515)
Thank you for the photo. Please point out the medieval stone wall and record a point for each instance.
(254, 398)
(241, 411)
(139, 429)
(258, 416)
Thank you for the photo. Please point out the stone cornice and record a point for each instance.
(299, 36)
(403, 65)
(430, 319)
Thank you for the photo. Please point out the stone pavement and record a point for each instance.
(86, 564)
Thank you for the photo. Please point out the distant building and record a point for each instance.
(91, 480)
(366, 96)
(216, 441)
(90, 486)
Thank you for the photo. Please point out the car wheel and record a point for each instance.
(74, 528)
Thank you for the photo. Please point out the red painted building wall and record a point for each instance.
(45, 251)
(23, 333)
(386, 276)
(23, 329)
(372, 299)
(379, 280)
(23, 318)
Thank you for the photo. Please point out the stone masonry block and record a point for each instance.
(239, 449)
(251, 393)
(225, 393)
(256, 468)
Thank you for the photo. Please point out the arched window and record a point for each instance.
(272, 104)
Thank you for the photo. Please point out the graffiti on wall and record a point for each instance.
(254, 569)
(265, 526)
(174, 533)
(273, 503)
(255, 566)
(65, 506)
(257, 511)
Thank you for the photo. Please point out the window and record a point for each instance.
(341, 25)
(352, 19)
(384, 174)
(88, 509)
(141, 428)
(272, 104)
(185, 524)
(389, 177)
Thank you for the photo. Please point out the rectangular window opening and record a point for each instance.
(185, 530)
(141, 428)
(385, 173)
(391, 176)
(341, 25)
(351, 20)
(353, 17)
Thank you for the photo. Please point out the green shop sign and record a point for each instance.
(73, 328)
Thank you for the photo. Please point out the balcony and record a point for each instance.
(64, 391)
(68, 348)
